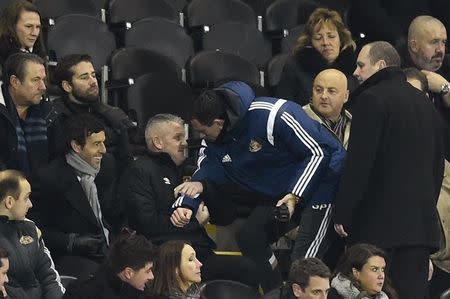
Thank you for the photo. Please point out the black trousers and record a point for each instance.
(408, 270)
(258, 232)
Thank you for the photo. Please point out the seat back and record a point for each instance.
(133, 10)
(161, 36)
(286, 14)
(288, 42)
(208, 67)
(227, 289)
(240, 39)
(211, 12)
(54, 9)
(81, 34)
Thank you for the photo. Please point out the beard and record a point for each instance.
(85, 97)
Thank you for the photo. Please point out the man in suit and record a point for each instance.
(74, 200)
(393, 171)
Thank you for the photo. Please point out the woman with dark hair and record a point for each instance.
(20, 30)
(177, 272)
(360, 273)
(325, 43)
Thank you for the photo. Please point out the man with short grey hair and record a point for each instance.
(393, 171)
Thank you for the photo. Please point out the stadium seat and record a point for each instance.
(211, 12)
(133, 10)
(226, 289)
(52, 9)
(274, 70)
(208, 67)
(161, 36)
(240, 39)
(288, 42)
(286, 14)
(81, 34)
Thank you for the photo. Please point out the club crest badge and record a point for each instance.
(254, 146)
(25, 240)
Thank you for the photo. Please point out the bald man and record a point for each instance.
(427, 38)
(329, 93)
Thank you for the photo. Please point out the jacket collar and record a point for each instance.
(310, 60)
(388, 73)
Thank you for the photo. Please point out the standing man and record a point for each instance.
(393, 172)
(24, 116)
(266, 146)
(31, 272)
(74, 201)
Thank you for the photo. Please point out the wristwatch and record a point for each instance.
(445, 88)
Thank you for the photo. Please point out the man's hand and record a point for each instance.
(180, 217)
(190, 189)
(3, 292)
(290, 200)
(435, 81)
(430, 270)
(202, 214)
(339, 228)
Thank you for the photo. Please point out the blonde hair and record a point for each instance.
(320, 17)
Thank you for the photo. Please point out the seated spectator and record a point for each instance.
(31, 272)
(23, 115)
(74, 202)
(177, 272)
(361, 274)
(308, 278)
(4, 267)
(76, 77)
(20, 30)
(125, 273)
(324, 43)
(146, 189)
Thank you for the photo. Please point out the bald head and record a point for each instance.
(427, 37)
(329, 93)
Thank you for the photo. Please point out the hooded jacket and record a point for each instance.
(270, 146)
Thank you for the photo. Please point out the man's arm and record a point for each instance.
(435, 83)
(46, 273)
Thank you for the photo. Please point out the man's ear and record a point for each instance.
(76, 147)
(128, 273)
(66, 86)
(347, 94)
(413, 45)
(9, 202)
(381, 64)
(157, 142)
(297, 290)
(14, 81)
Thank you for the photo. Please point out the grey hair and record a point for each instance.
(158, 119)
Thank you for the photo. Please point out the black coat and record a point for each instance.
(301, 69)
(104, 284)
(61, 206)
(394, 168)
(146, 189)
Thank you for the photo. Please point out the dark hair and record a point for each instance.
(16, 63)
(207, 107)
(167, 261)
(10, 17)
(356, 257)
(63, 70)
(10, 183)
(3, 254)
(381, 50)
(79, 127)
(130, 250)
(302, 269)
(414, 73)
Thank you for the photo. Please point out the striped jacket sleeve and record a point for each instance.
(309, 142)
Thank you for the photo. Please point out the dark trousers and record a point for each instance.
(408, 270)
(76, 266)
(316, 233)
(258, 232)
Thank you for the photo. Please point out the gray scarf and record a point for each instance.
(87, 175)
(348, 290)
